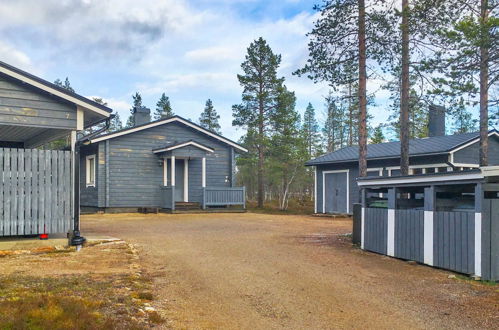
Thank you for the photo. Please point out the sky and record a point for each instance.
(189, 49)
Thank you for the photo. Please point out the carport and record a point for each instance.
(37, 185)
(447, 220)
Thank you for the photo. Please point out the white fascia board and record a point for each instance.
(475, 140)
(54, 91)
(430, 179)
(166, 121)
(184, 145)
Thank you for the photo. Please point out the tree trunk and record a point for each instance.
(261, 160)
(404, 92)
(362, 90)
(350, 116)
(484, 95)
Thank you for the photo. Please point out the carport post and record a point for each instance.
(390, 237)
(428, 238)
(363, 216)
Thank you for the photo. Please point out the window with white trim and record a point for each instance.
(90, 167)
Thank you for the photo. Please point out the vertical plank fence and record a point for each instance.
(375, 233)
(35, 191)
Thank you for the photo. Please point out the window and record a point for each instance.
(90, 166)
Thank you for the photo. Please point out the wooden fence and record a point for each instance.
(35, 191)
(375, 236)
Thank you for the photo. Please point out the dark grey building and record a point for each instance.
(161, 164)
(336, 173)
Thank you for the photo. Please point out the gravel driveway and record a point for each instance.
(255, 271)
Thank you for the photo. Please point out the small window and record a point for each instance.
(90, 166)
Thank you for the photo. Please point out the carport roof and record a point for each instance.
(53, 89)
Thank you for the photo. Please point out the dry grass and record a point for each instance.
(70, 302)
(296, 206)
(85, 300)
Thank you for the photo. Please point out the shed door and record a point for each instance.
(336, 193)
(179, 180)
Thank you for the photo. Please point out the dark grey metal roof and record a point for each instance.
(426, 146)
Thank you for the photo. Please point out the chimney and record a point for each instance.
(436, 121)
(141, 115)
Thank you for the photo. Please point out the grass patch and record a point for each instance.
(296, 206)
(484, 282)
(71, 302)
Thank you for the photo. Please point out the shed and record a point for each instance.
(37, 190)
(447, 220)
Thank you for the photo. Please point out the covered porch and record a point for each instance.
(185, 174)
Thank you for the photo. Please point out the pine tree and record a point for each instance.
(209, 118)
(289, 150)
(115, 124)
(469, 57)
(378, 136)
(463, 119)
(260, 93)
(137, 102)
(66, 84)
(163, 108)
(338, 53)
(310, 131)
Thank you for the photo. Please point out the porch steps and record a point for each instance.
(187, 206)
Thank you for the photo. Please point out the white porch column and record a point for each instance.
(478, 229)
(390, 237)
(203, 172)
(428, 236)
(165, 172)
(186, 180)
(172, 179)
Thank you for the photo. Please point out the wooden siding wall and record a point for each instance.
(409, 234)
(35, 191)
(454, 241)
(88, 195)
(135, 173)
(23, 106)
(470, 154)
(353, 168)
(375, 232)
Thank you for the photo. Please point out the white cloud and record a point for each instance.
(15, 57)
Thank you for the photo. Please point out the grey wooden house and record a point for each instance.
(37, 190)
(447, 220)
(169, 164)
(336, 188)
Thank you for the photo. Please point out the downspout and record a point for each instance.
(75, 238)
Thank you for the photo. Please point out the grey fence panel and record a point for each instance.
(409, 234)
(375, 232)
(454, 241)
(220, 196)
(35, 191)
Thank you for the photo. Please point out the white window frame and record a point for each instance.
(87, 168)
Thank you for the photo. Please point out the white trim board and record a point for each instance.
(324, 188)
(166, 121)
(54, 91)
(200, 146)
(429, 179)
(475, 140)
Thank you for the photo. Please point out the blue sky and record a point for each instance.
(191, 50)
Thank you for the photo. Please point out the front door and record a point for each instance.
(335, 192)
(179, 180)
